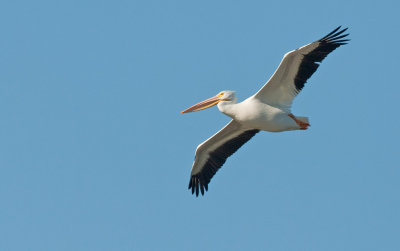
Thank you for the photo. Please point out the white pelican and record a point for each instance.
(267, 110)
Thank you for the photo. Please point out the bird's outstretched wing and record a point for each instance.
(296, 68)
(212, 154)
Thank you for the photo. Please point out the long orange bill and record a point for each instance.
(203, 105)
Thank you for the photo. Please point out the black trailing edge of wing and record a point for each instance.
(199, 182)
(310, 61)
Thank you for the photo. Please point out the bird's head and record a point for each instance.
(222, 96)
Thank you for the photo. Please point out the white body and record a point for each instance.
(254, 113)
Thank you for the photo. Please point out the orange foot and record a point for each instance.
(303, 125)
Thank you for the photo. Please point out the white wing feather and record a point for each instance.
(296, 67)
(280, 89)
(231, 130)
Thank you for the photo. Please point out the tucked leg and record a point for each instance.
(302, 125)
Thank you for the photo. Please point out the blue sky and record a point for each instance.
(94, 154)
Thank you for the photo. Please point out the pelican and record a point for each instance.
(267, 110)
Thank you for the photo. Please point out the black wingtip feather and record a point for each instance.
(334, 36)
(199, 182)
(332, 32)
(310, 61)
(342, 41)
(342, 36)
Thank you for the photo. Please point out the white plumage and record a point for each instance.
(267, 110)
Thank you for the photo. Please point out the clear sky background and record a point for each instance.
(95, 155)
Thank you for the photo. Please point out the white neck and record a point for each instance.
(228, 108)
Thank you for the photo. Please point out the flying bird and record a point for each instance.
(267, 110)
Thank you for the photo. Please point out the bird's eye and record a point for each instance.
(220, 94)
